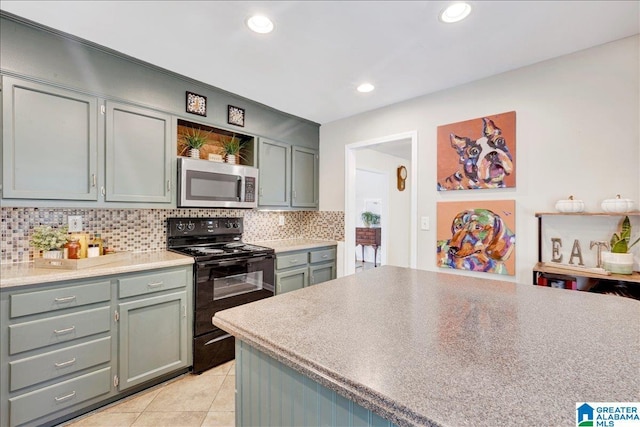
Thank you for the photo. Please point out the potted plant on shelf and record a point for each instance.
(194, 138)
(370, 218)
(231, 149)
(49, 240)
(619, 260)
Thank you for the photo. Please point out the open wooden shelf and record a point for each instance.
(545, 267)
(634, 213)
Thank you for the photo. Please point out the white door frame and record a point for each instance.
(350, 197)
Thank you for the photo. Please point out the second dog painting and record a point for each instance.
(477, 236)
(478, 153)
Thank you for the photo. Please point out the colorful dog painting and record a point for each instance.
(479, 239)
(484, 162)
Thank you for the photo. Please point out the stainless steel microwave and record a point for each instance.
(207, 184)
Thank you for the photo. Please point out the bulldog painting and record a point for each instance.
(477, 153)
(477, 238)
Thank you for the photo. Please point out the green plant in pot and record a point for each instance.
(195, 138)
(370, 218)
(619, 260)
(231, 149)
(49, 240)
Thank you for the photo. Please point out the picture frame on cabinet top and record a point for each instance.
(196, 104)
(235, 116)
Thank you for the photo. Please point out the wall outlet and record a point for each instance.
(424, 223)
(281, 220)
(75, 223)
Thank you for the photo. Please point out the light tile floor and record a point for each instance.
(205, 400)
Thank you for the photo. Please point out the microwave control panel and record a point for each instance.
(250, 189)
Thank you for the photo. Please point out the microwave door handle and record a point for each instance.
(240, 190)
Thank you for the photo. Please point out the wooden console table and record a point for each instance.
(369, 237)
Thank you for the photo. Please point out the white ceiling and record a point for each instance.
(321, 50)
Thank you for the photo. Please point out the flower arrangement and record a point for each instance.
(370, 218)
(46, 238)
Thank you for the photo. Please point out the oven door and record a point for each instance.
(227, 283)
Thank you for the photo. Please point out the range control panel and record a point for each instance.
(203, 226)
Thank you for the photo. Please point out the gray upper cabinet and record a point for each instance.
(304, 178)
(275, 173)
(288, 176)
(50, 147)
(138, 154)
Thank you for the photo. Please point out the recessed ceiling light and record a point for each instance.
(455, 12)
(260, 24)
(366, 87)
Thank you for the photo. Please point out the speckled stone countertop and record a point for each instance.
(424, 348)
(289, 245)
(21, 274)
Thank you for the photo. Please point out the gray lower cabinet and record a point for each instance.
(298, 269)
(289, 175)
(69, 346)
(50, 142)
(53, 148)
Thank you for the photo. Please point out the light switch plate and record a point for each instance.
(75, 223)
(281, 220)
(424, 223)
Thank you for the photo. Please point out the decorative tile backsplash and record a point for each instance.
(144, 230)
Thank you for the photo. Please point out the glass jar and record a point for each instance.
(97, 240)
(73, 249)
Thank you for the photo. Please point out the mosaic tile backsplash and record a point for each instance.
(144, 230)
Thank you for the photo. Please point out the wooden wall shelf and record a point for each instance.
(634, 213)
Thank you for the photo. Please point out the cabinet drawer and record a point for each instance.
(59, 298)
(33, 370)
(51, 399)
(293, 260)
(147, 283)
(322, 255)
(40, 333)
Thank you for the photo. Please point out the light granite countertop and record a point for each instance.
(289, 245)
(425, 348)
(21, 274)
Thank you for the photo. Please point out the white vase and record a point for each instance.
(617, 263)
(231, 158)
(52, 254)
(194, 153)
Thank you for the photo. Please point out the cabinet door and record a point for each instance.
(322, 273)
(138, 150)
(152, 338)
(291, 280)
(304, 178)
(49, 148)
(274, 163)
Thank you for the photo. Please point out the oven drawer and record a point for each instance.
(146, 283)
(293, 260)
(59, 298)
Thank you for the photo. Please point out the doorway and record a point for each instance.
(391, 151)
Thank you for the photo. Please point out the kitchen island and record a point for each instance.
(411, 347)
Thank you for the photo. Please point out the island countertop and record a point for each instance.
(425, 348)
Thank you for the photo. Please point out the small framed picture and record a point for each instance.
(196, 104)
(235, 116)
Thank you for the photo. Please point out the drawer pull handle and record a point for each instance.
(64, 331)
(155, 284)
(293, 261)
(67, 363)
(65, 299)
(68, 396)
(325, 256)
